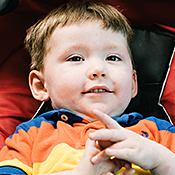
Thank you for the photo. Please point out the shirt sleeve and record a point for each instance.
(166, 132)
(157, 130)
(16, 155)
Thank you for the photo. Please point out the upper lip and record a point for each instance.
(98, 89)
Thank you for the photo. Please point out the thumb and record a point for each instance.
(91, 148)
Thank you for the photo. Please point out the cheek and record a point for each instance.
(64, 84)
(123, 86)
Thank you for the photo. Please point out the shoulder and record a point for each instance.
(136, 120)
(51, 118)
(48, 117)
(160, 124)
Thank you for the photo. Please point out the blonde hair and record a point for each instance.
(73, 12)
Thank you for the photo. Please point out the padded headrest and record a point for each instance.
(152, 50)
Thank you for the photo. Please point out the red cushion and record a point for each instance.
(168, 95)
(17, 104)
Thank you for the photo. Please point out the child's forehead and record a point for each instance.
(89, 27)
(87, 31)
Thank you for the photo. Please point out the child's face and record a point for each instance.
(89, 68)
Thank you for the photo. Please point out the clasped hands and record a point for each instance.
(120, 146)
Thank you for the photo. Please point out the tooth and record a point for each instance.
(97, 90)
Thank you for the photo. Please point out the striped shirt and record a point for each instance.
(55, 141)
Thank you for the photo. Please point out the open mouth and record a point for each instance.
(97, 91)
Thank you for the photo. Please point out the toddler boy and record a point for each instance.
(82, 64)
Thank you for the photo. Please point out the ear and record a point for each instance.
(36, 83)
(134, 84)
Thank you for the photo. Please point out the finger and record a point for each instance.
(106, 119)
(127, 165)
(118, 152)
(115, 155)
(129, 171)
(107, 173)
(91, 149)
(104, 144)
(100, 157)
(127, 154)
(111, 135)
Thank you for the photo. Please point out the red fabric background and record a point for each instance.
(16, 102)
(168, 96)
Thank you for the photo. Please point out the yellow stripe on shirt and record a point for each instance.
(63, 157)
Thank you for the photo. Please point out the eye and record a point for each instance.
(113, 58)
(76, 58)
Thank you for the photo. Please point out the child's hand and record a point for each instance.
(85, 167)
(127, 145)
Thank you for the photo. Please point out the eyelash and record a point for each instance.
(76, 58)
(113, 58)
(109, 58)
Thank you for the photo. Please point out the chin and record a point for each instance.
(111, 113)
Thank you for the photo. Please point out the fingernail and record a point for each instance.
(133, 170)
(96, 111)
(91, 135)
(108, 151)
(94, 159)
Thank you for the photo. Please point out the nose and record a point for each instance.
(97, 71)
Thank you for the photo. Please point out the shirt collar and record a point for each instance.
(71, 118)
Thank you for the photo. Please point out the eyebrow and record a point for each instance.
(75, 47)
(71, 48)
(115, 46)
(108, 46)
